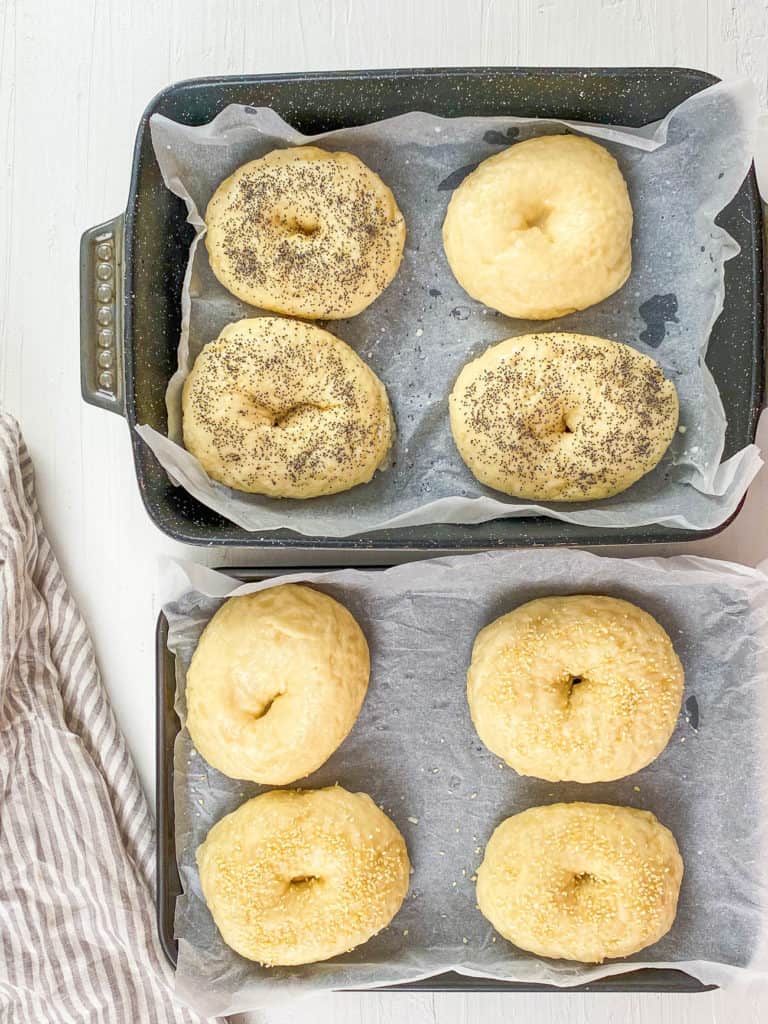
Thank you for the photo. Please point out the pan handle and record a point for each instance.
(764, 311)
(101, 316)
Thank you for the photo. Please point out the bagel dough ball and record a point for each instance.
(562, 417)
(581, 881)
(580, 689)
(283, 408)
(293, 877)
(305, 232)
(542, 229)
(276, 683)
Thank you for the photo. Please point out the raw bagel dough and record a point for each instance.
(305, 232)
(542, 229)
(293, 877)
(283, 408)
(581, 881)
(579, 688)
(562, 417)
(276, 683)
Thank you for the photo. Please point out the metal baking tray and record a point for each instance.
(132, 269)
(169, 885)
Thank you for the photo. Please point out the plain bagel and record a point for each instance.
(305, 232)
(542, 229)
(293, 877)
(582, 688)
(581, 881)
(562, 417)
(283, 408)
(275, 684)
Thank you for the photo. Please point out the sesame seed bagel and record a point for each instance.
(581, 881)
(276, 683)
(305, 232)
(283, 408)
(542, 229)
(581, 688)
(293, 877)
(562, 417)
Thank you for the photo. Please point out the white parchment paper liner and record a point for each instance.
(420, 332)
(415, 751)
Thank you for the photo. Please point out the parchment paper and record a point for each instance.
(424, 328)
(416, 752)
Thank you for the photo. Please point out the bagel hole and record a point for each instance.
(570, 685)
(305, 226)
(284, 418)
(535, 217)
(537, 220)
(266, 707)
(583, 877)
(304, 880)
(569, 423)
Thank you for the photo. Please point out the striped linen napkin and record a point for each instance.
(77, 931)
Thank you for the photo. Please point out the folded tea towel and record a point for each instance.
(77, 931)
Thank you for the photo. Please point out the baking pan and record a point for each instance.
(133, 265)
(169, 886)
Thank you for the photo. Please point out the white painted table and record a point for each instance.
(82, 72)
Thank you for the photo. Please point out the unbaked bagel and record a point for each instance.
(562, 417)
(542, 229)
(581, 688)
(276, 683)
(581, 881)
(305, 232)
(283, 408)
(293, 877)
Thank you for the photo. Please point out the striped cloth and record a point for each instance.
(77, 932)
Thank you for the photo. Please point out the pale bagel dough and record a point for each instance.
(542, 229)
(581, 881)
(276, 683)
(562, 417)
(305, 232)
(283, 408)
(293, 877)
(581, 688)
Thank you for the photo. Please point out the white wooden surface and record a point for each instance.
(74, 79)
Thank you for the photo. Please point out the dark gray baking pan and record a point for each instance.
(169, 886)
(132, 269)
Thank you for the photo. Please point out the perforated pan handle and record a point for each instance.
(101, 316)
